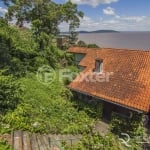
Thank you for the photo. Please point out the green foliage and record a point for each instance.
(5, 44)
(72, 71)
(19, 52)
(132, 126)
(46, 109)
(16, 49)
(10, 93)
(45, 17)
(4, 146)
(92, 46)
(95, 141)
(81, 44)
(93, 109)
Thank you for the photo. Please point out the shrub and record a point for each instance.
(17, 49)
(95, 141)
(92, 108)
(81, 44)
(92, 46)
(10, 93)
(4, 146)
(132, 126)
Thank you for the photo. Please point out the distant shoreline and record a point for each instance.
(105, 31)
(99, 31)
(96, 31)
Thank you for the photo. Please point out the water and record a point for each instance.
(129, 40)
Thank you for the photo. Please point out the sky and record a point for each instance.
(120, 15)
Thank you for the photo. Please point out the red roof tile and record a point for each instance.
(129, 79)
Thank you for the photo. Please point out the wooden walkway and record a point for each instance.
(20, 140)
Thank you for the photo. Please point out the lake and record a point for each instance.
(129, 40)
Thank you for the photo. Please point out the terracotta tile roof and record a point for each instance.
(128, 72)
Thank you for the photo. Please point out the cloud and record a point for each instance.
(3, 11)
(113, 22)
(133, 18)
(109, 11)
(119, 23)
(93, 3)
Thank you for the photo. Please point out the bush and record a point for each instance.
(95, 141)
(132, 126)
(17, 49)
(4, 146)
(10, 93)
(93, 109)
(81, 44)
(92, 46)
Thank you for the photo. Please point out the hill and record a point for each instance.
(99, 31)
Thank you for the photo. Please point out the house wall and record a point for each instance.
(108, 108)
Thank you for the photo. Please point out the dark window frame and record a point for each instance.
(98, 66)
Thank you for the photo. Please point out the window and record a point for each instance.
(98, 66)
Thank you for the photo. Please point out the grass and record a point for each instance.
(46, 109)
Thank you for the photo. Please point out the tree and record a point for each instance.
(93, 46)
(17, 49)
(4, 44)
(81, 44)
(45, 16)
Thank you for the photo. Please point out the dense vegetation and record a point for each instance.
(4, 145)
(132, 126)
(83, 44)
(43, 110)
(10, 93)
(25, 102)
(95, 141)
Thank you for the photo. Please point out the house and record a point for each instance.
(119, 78)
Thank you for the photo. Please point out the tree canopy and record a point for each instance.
(45, 16)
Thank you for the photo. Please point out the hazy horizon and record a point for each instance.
(125, 39)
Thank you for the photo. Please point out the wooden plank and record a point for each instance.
(55, 141)
(34, 143)
(18, 141)
(12, 139)
(26, 141)
(46, 142)
(40, 143)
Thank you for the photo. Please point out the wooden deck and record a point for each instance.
(20, 140)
